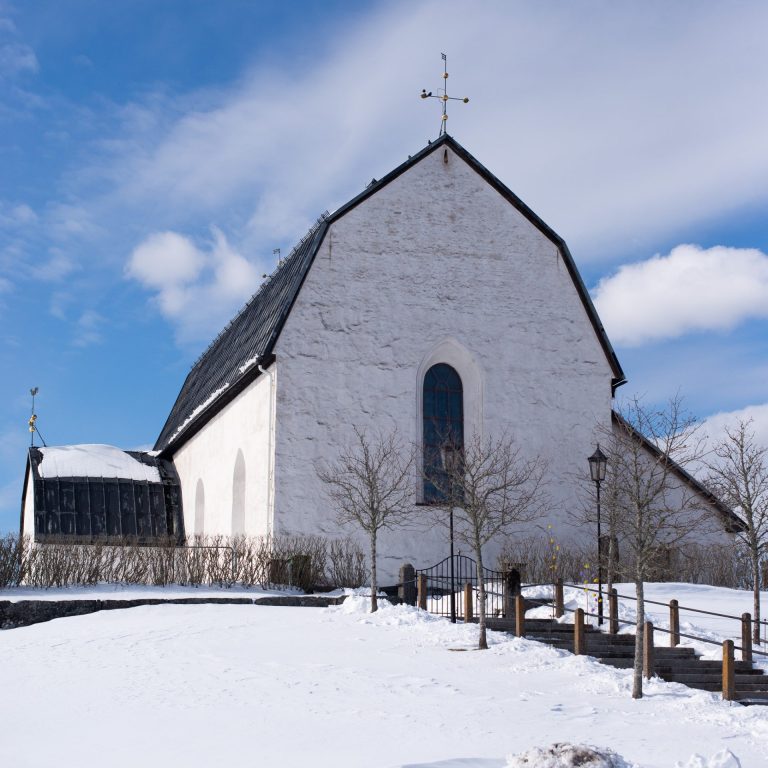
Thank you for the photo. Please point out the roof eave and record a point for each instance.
(226, 397)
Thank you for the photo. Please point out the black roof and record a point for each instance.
(231, 362)
(88, 508)
(245, 342)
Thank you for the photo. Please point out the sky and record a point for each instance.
(154, 155)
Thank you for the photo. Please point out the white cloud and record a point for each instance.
(58, 266)
(88, 331)
(72, 221)
(616, 126)
(196, 289)
(18, 215)
(16, 58)
(715, 425)
(689, 289)
(165, 258)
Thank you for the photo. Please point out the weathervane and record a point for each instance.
(33, 419)
(442, 95)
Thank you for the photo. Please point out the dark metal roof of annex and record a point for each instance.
(231, 361)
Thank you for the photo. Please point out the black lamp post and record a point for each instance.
(598, 463)
(450, 456)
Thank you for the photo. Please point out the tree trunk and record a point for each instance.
(374, 581)
(637, 678)
(482, 642)
(756, 594)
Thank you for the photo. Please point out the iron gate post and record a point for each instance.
(453, 585)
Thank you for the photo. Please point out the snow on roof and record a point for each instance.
(199, 409)
(94, 461)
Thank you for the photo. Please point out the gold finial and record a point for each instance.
(442, 95)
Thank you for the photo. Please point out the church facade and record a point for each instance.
(435, 276)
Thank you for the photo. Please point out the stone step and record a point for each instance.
(742, 667)
(748, 684)
(619, 663)
(748, 698)
(671, 663)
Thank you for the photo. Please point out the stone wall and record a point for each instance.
(24, 613)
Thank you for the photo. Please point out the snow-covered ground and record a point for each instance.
(245, 686)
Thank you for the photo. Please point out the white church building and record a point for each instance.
(435, 279)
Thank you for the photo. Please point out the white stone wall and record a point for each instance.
(436, 267)
(700, 517)
(246, 424)
(28, 527)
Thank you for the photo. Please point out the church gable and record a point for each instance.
(435, 271)
(231, 362)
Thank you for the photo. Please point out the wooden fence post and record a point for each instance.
(746, 637)
(613, 612)
(648, 650)
(519, 615)
(729, 683)
(578, 633)
(674, 624)
(468, 615)
(421, 591)
(559, 599)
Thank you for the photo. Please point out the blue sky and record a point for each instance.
(152, 156)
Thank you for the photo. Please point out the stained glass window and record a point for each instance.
(443, 409)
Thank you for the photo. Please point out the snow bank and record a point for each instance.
(569, 756)
(723, 759)
(94, 461)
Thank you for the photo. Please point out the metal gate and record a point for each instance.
(442, 584)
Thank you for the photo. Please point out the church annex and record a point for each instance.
(435, 277)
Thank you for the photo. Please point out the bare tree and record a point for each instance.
(493, 488)
(652, 501)
(371, 486)
(738, 474)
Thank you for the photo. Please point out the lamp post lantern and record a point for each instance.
(450, 456)
(598, 463)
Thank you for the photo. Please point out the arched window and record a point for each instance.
(238, 496)
(199, 508)
(443, 413)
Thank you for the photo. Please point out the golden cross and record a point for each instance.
(442, 95)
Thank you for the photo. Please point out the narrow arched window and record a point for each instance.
(238, 496)
(199, 508)
(443, 414)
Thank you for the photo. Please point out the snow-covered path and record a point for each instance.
(247, 686)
